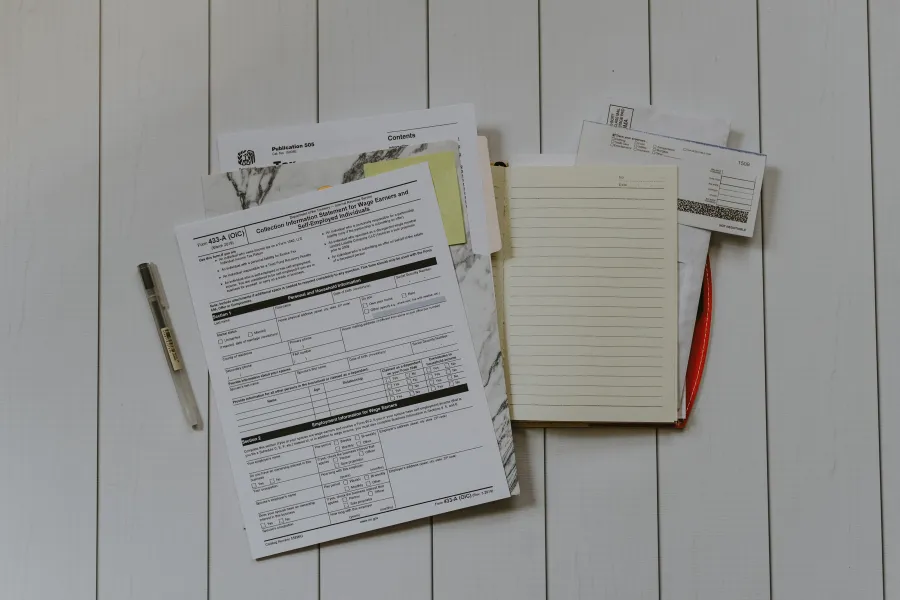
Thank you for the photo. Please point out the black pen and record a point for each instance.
(170, 346)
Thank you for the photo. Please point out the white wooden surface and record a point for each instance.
(49, 86)
(153, 480)
(824, 488)
(784, 486)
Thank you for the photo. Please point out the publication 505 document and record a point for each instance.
(341, 361)
(301, 143)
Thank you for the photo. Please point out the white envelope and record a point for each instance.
(650, 118)
(718, 188)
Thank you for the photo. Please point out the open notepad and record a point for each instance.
(588, 278)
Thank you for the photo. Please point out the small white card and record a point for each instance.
(718, 188)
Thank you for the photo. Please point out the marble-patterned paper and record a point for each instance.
(245, 188)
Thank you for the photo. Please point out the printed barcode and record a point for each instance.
(711, 210)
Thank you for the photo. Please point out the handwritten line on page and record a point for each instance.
(590, 290)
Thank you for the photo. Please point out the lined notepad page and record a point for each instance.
(590, 293)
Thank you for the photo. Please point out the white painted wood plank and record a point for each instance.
(500, 546)
(589, 52)
(713, 499)
(819, 295)
(486, 52)
(262, 74)
(263, 65)
(884, 46)
(49, 161)
(372, 60)
(373, 57)
(601, 514)
(602, 537)
(154, 148)
(388, 564)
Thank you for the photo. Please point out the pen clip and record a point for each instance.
(158, 288)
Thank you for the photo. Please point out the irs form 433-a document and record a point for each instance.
(341, 362)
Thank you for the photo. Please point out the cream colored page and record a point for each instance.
(590, 288)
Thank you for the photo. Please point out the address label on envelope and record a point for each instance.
(718, 188)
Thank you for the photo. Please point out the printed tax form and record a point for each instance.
(341, 361)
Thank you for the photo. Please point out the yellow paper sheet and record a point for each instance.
(590, 293)
(446, 188)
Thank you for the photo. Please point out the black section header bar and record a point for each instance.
(356, 414)
(325, 289)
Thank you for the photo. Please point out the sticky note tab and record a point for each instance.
(446, 188)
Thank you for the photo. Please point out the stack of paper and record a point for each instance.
(368, 353)
(352, 333)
